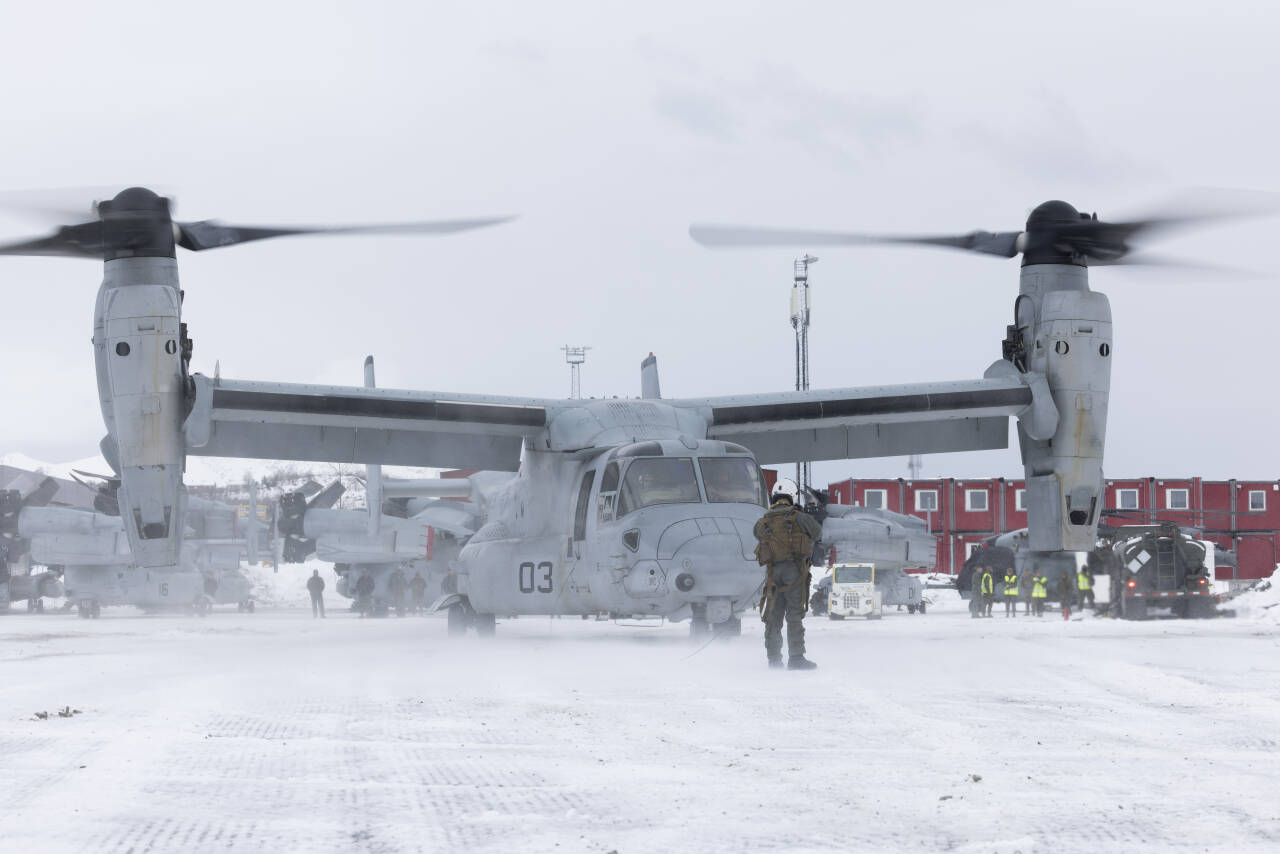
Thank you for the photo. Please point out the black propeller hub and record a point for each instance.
(136, 224)
(1050, 229)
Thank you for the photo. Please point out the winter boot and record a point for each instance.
(799, 662)
(775, 661)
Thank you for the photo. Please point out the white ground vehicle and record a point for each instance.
(853, 592)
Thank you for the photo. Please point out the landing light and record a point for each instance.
(1132, 584)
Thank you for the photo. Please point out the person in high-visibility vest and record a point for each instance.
(1039, 592)
(988, 591)
(1010, 593)
(1084, 583)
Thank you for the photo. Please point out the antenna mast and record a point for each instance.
(800, 323)
(575, 356)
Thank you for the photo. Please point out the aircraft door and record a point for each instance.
(581, 507)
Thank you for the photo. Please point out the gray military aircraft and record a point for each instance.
(18, 580)
(141, 346)
(98, 567)
(629, 506)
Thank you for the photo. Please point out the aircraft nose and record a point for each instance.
(713, 565)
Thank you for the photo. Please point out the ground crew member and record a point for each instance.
(396, 585)
(418, 587)
(1039, 592)
(315, 586)
(1025, 584)
(364, 594)
(988, 591)
(1064, 594)
(450, 582)
(1084, 583)
(785, 537)
(1010, 593)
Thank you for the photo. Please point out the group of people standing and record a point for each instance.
(399, 588)
(1031, 588)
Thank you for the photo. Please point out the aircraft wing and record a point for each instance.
(878, 421)
(351, 424)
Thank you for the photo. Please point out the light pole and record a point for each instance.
(800, 323)
(575, 356)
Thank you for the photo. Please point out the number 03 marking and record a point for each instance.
(535, 577)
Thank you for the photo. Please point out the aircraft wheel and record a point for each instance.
(731, 628)
(698, 625)
(486, 625)
(457, 620)
(240, 607)
(95, 610)
(82, 611)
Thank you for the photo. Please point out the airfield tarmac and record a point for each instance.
(277, 732)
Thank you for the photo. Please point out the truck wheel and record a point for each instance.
(457, 620)
(834, 617)
(250, 607)
(911, 609)
(920, 607)
(486, 625)
(1133, 609)
(1200, 608)
(95, 610)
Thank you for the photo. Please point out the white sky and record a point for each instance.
(609, 127)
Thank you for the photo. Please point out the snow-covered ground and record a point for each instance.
(276, 732)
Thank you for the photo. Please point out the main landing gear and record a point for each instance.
(461, 617)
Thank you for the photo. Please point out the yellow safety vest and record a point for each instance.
(1083, 582)
(1011, 585)
(1037, 589)
(988, 583)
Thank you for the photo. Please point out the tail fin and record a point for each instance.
(649, 388)
(373, 473)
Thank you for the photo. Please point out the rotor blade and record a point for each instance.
(211, 234)
(328, 496)
(42, 494)
(1003, 243)
(57, 204)
(107, 477)
(72, 241)
(1181, 269)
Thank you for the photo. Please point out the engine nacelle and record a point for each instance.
(139, 348)
(1065, 334)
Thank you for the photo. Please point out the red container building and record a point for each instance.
(1243, 515)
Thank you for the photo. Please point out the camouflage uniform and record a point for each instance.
(786, 596)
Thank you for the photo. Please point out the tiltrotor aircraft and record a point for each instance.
(641, 505)
(99, 569)
(142, 349)
(18, 581)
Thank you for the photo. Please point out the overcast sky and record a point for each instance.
(609, 127)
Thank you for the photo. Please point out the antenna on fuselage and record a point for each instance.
(649, 387)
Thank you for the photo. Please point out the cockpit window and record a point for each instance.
(669, 480)
(731, 480)
(852, 574)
